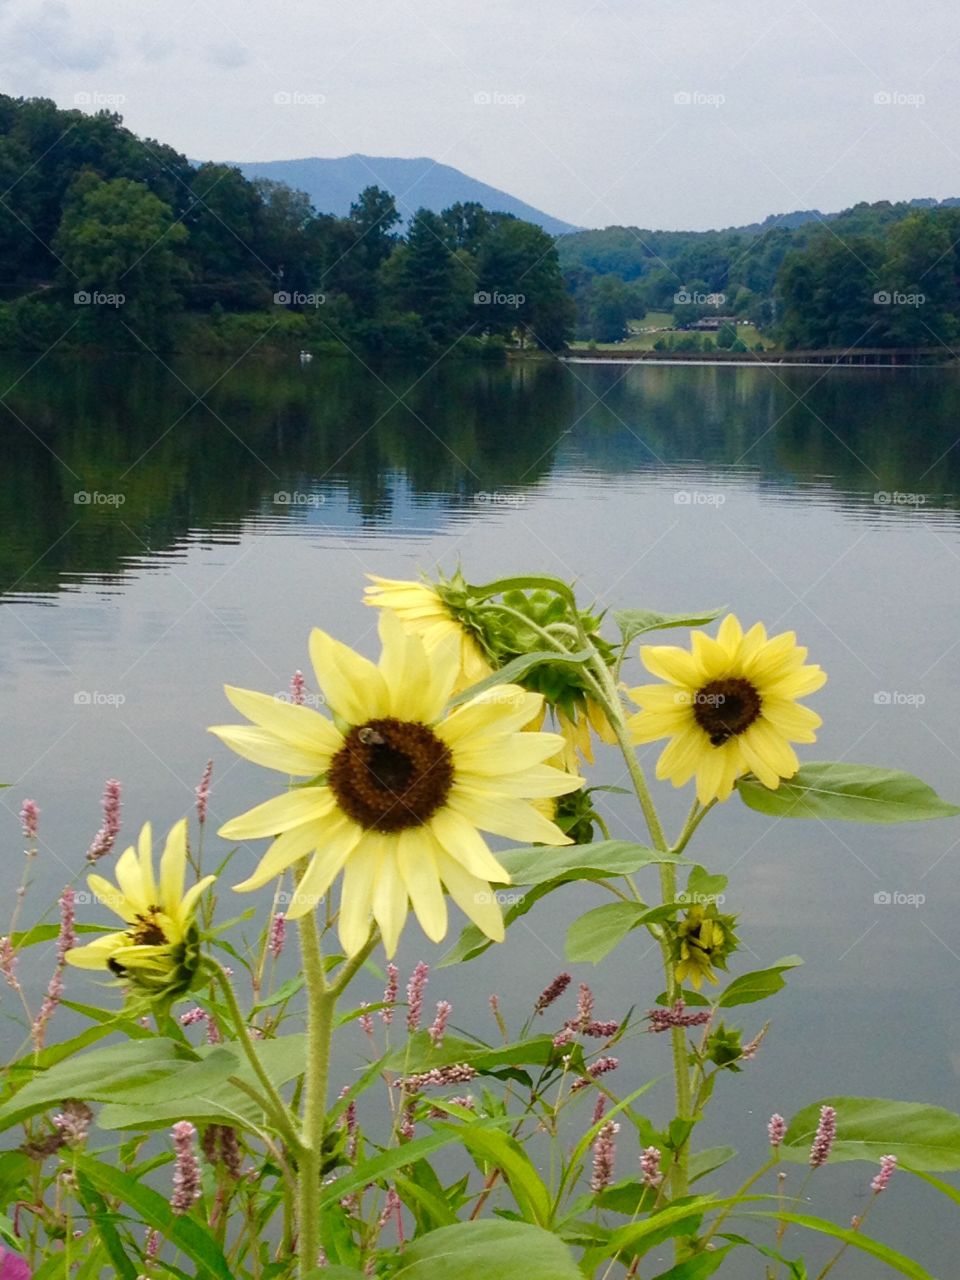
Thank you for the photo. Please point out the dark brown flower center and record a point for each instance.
(148, 932)
(391, 774)
(724, 708)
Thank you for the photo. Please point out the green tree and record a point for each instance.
(610, 304)
(519, 270)
(427, 277)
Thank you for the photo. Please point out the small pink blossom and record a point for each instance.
(106, 837)
(390, 994)
(278, 934)
(882, 1180)
(776, 1129)
(553, 992)
(298, 688)
(824, 1137)
(202, 793)
(29, 817)
(604, 1156)
(415, 988)
(186, 1174)
(650, 1167)
(440, 1022)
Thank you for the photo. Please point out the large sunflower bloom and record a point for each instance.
(157, 952)
(729, 707)
(425, 614)
(399, 791)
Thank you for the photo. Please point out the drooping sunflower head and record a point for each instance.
(729, 707)
(157, 953)
(702, 941)
(399, 786)
(435, 612)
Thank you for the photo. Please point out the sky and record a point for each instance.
(682, 114)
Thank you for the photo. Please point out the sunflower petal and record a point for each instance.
(356, 897)
(173, 864)
(354, 688)
(417, 854)
(305, 804)
(266, 749)
(473, 896)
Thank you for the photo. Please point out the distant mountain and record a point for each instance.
(333, 185)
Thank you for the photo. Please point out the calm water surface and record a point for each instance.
(232, 508)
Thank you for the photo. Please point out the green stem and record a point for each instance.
(321, 1001)
(735, 1200)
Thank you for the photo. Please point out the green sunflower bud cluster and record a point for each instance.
(702, 941)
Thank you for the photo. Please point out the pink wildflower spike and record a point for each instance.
(415, 988)
(595, 1070)
(584, 1005)
(278, 934)
(604, 1155)
(202, 793)
(599, 1108)
(600, 1030)
(824, 1137)
(650, 1167)
(390, 994)
(66, 940)
(665, 1019)
(440, 1022)
(106, 837)
(776, 1129)
(29, 817)
(8, 963)
(366, 1019)
(552, 993)
(298, 688)
(455, 1073)
(882, 1180)
(562, 1037)
(186, 1174)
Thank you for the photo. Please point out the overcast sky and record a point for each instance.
(680, 113)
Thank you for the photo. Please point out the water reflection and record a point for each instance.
(108, 463)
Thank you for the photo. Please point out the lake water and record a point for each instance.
(230, 506)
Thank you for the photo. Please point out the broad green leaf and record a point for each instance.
(504, 1152)
(850, 792)
(380, 1166)
(681, 1218)
(702, 886)
(488, 1250)
(201, 1090)
(919, 1135)
(697, 1268)
(636, 622)
(595, 934)
(546, 869)
(284, 992)
(420, 1054)
(102, 1219)
(906, 1266)
(944, 1187)
(513, 671)
(184, 1233)
(703, 1162)
(750, 987)
(95, 1077)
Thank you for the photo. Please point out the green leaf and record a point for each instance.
(597, 932)
(379, 1166)
(506, 1154)
(183, 1232)
(486, 1250)
(919, 1135)
(906, 1266)
(750, 987)
(850, 792)
(101, 1217)
(698, 1267)
(420, 1054)
(284, 992)
(546, 869)
(516, 668)
(703, 1162)
(94, 1077)
(636, 622)
(944, 1187)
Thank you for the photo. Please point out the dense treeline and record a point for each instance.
(805, 279)
(116, 240)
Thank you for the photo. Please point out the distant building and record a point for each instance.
(713, 323)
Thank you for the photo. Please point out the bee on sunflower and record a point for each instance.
(730, 707)
(157, 954)
(399, 787)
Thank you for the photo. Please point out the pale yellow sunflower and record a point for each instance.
(158, 951)
(399, 789)
(424, 613)
(729, 707)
